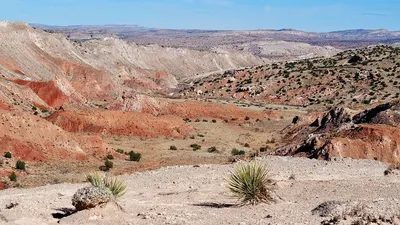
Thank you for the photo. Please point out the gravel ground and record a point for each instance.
(198, 195)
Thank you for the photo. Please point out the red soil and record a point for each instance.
(31, 138)
(121, 123)
(196, 109)
(90, 82)
(47, 91)
(4, 106)
(380, 142)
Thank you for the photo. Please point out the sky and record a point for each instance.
(307, 15)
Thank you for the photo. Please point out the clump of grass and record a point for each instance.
(120, 151)
(251, 183)
(99, 180)
(173, 147)
(237, 152)
(110, 157)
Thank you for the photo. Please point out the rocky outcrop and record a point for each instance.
(388, 113)
(370, 134)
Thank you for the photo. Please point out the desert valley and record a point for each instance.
(173, 112)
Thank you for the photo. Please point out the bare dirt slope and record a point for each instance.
(198, 195)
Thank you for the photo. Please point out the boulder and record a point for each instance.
(90, 197)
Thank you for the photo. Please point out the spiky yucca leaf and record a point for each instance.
(96, 179)
(250, 183)
(116, 186)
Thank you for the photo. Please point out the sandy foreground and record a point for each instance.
(198, 195)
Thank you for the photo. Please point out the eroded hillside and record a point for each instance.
(353, 78)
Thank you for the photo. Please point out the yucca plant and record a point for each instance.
(116, 186)
(251, 183)
(96, 179)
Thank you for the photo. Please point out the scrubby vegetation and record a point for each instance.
(133, 156)
(212, 149)
(20, 165)
(8, 155)
(109, 164)
(195, 147)
(237, 152)
(13, 177)
(352, 78)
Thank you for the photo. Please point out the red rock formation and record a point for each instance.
(32, 138)
(47, 91)
(121, 123)
(371, 134)
(379, 142)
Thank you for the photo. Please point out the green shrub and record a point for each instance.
(247, 118)
(250, 183)
(195, 147)
(246, 145)
(8, 155)
(237, 152)
(135, 156)
(109, 164)
(173, 147)
(20, 165)
(212, 149)
(13, 177)
(120, 151)
(214, 121)
(110, 157)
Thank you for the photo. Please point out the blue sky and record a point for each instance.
(309, 15)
